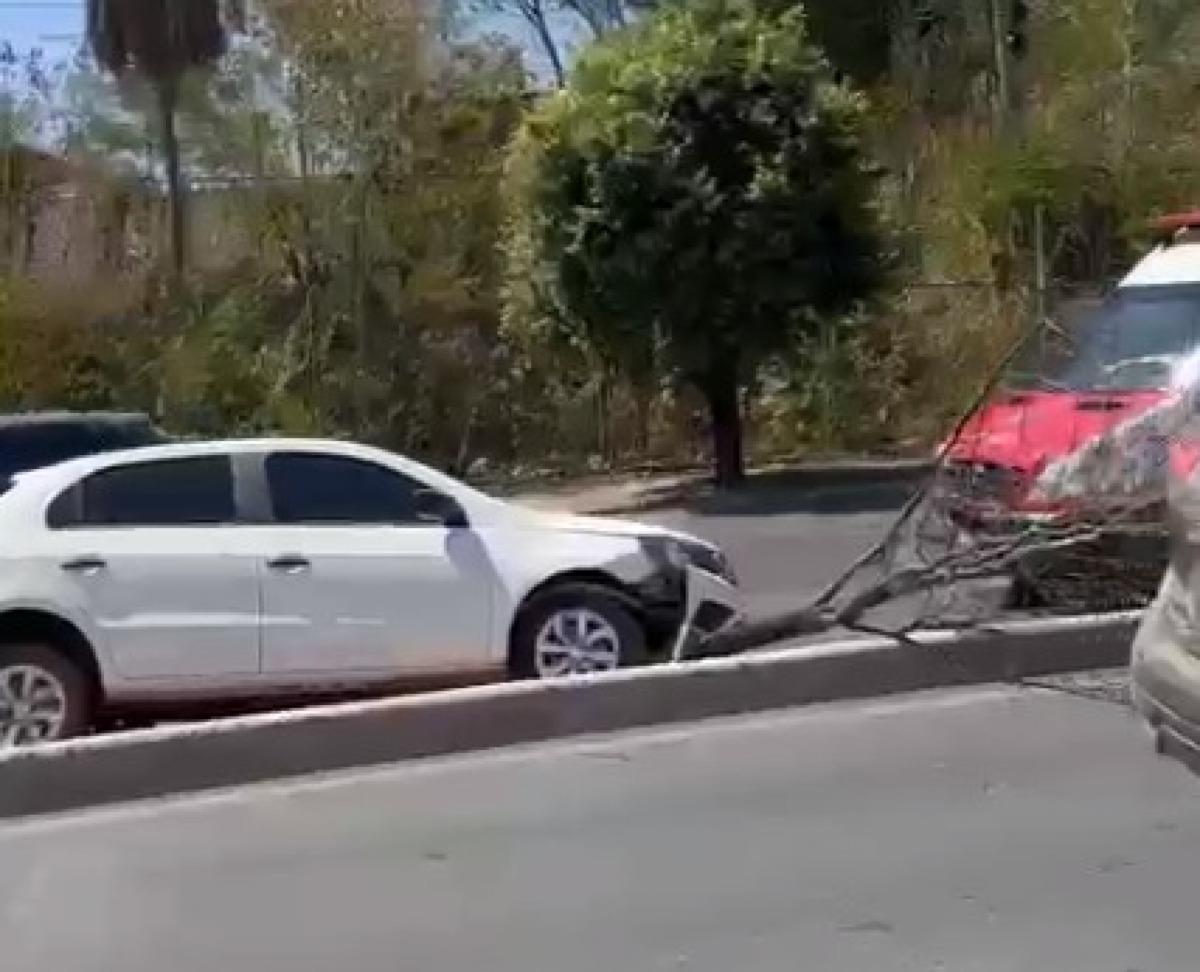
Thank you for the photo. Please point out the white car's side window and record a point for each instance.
(310, 488)
(168, 492)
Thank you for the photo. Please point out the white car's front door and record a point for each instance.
(353, 582)
(144, 549)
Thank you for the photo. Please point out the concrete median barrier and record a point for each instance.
(230, 752)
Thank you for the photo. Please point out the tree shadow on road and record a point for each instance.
(777, 493)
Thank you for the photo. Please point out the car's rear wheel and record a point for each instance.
(575, 629)
(43, 696)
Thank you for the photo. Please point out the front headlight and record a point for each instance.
(684, 553)
(711, 559)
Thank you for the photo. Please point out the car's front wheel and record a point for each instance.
(575, 629)
(43, 696)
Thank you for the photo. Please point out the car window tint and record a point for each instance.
(66, 510)
(310, 488)
(33, 446)
(168, 492)
(37, 444)
(1130, 343)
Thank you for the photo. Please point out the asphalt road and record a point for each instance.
(783, 558)
(972, 831)
(788, 544)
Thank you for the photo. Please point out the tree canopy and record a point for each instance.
(700, 190)
(369, 258)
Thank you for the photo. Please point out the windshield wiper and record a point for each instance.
(1040, 383)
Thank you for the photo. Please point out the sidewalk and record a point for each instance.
(613, 494)
(633, 493)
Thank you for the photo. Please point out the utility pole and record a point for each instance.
(1039, 276)
(1009, 21)
(1017, 45)
(1000, 62)
(1127, 71)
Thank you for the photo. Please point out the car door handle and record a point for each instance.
(89, 564)
(289, 563)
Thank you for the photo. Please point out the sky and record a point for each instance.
(56, 26)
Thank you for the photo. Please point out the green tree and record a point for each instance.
(370, 290)
(700, 190)
(160, 41)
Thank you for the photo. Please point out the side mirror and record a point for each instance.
(434, 507)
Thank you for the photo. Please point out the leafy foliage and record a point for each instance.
(352, 181)
(699, 189)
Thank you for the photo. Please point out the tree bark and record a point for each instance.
(642, 406)
(168, 91)
(721, 390)
(1003, 102)
(604, 443)
(536, 15)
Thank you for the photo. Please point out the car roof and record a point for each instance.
(24, 420)
(1168, 264)
(208, 447)
(71, 470)
(35, 486)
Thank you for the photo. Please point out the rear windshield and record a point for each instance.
(24, 447)
(1129, 343)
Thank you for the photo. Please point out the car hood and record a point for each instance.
(1026, 430)
(597, 525)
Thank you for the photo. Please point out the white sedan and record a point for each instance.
(244, 570)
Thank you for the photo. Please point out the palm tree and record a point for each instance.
(159, 41)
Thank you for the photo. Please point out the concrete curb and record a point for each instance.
(182, 759)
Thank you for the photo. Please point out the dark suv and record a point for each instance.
(34, 439)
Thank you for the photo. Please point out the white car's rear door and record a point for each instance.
(146, 549)
(354, 582)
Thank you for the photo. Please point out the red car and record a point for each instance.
(1065, 390)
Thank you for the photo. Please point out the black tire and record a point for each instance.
(78, 691)
(610, 605)
(1024, 594)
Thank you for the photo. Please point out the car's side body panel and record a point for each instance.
(165, 602)
(396, 599)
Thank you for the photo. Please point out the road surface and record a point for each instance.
(787, 544)
(987, 830)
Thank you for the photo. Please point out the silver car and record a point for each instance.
(1165, 664)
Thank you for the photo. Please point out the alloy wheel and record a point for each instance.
(33, 705)
(574, 641)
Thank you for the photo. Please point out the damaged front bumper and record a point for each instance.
(712, 606)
